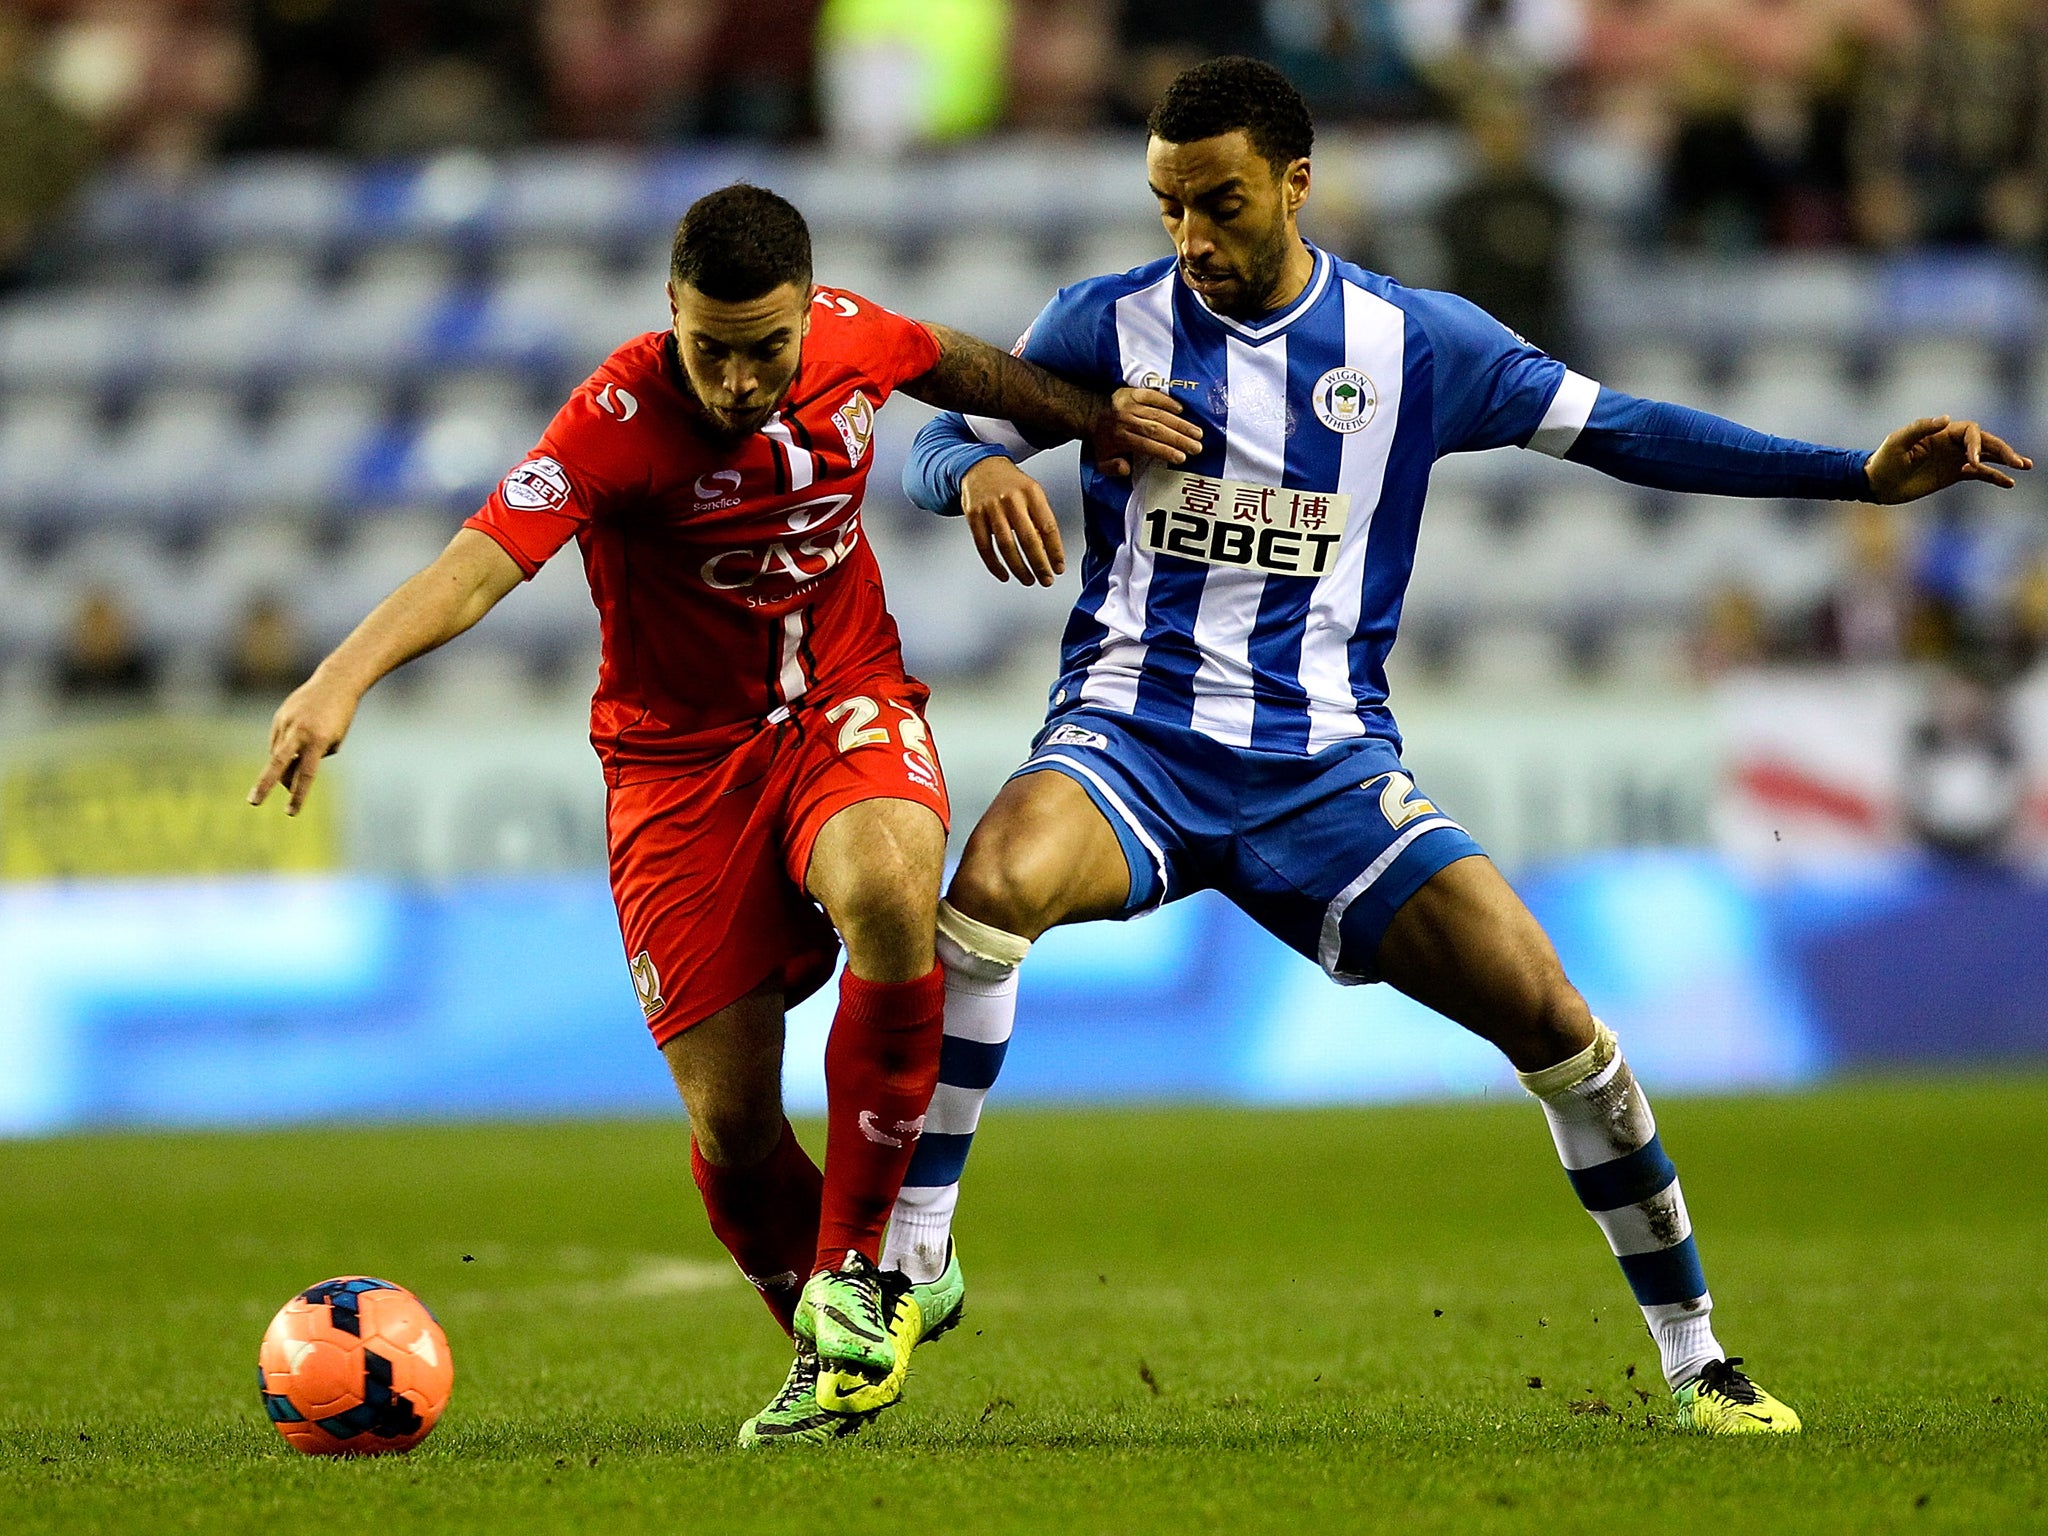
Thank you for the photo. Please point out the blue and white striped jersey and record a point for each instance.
(1254, 593)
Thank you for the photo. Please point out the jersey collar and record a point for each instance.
(1264, 330)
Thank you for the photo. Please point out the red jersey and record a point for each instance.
(730, 576)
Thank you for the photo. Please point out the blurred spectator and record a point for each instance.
(763, 58)
(1951, 138)
(158, 80)
(1746, 101)
(45, 150)
(1347, 56)
(1733, 632)
(1466, 46)
(268, 656)
(312, 58)
(894, 73)
(1503, 233)
(1868, 617)
(453, 75)
(623, 70)
(1963, 761)
(104, 660)
(2028, 614)
(1062, 60)
(1157, 39)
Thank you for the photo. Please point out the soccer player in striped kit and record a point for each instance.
(1221, 716)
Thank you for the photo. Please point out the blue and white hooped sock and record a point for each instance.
(1607, 1138)
(981, 1006)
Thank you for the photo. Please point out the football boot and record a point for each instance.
(794, 1416)
(1721, 1400)
(941, 1303)
(863, 1337)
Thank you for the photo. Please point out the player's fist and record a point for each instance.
(1930, 454)
(308, 726)
(1012, 523)
(1142, 423)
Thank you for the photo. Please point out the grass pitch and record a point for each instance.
(1183, 1319)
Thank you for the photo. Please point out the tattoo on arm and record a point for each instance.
(977, 379)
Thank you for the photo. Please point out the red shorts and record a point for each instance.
(708, 868)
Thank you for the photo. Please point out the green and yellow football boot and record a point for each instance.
(863, 1337)
(794, 1416)
(1723, 1401)
(941, 1303)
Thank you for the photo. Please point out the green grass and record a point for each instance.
(1178, 1320)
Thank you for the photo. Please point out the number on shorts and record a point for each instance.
(858, 730)
(917, 737)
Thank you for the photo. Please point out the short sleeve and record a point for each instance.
(561, 486)
(893, 348)
(1066, 339)
(1493, 389)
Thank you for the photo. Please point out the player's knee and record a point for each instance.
(887, 911)
(1010, 890)
(1553, 1024)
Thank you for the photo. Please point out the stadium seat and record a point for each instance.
(1938, 376)
(1457, 558)
(242, 320)
(308, 455)
(534, 312)
(133, 564)
(1576, 551)
(1660, 370)
(379, 320)
(75, 336)
(1796, 389)
(379, 553)
(862, 263)
(45, 434)
(987, 284)
(169, 462)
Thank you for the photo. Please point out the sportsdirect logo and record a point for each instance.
(538, 485)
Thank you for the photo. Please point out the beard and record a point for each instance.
(1255, 283)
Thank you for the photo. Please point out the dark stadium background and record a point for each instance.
(285, 285)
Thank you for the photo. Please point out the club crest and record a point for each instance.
(1345, 400)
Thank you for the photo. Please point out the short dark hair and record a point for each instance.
(740, 242)
(1223, 95)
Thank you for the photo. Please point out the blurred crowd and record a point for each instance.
(1777, 122)
(1956, 590)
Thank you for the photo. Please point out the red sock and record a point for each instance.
(881, 1065)
(767, 1217)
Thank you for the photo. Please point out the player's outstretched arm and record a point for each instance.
(462, 585)
(1933, 453)
(977, 379)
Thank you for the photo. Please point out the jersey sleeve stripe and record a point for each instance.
(1566, 418)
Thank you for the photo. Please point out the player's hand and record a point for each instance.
(1142, 423)
(1934, 453)
(1012, 523)
(307, 727)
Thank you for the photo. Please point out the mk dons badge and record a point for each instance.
(1345, 400)
(856, 423)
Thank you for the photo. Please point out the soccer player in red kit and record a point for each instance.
(765, 752)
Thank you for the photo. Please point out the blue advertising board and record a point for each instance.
(268, 1000)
